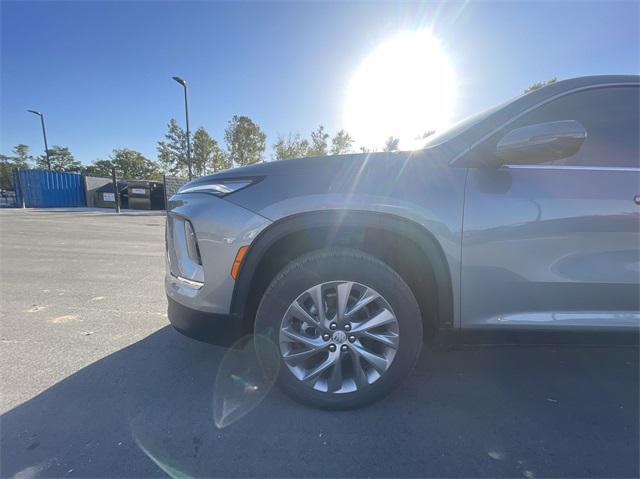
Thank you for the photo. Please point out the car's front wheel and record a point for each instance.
(347, 327)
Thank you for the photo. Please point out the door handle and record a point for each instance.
(636, 199)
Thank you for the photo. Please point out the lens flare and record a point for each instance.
(405, 88)
(245, 375)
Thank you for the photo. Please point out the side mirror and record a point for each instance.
(542, 142)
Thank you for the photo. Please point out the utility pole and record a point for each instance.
(116, 193)
(44, 134)
(186, 113)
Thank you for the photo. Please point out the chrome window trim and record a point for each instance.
(571, 167)
(538, 105)
(187, 282)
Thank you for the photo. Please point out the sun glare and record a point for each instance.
(405, 88)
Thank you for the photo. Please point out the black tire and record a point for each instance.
(343, 265)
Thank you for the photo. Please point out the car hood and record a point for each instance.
(322, 165)
(417, 184)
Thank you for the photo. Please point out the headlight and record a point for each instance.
(218, 188)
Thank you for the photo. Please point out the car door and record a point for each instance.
(556, 244)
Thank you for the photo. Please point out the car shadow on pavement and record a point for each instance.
(148, 410)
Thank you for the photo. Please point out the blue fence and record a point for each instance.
(49, 189)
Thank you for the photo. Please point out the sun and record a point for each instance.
(405, 88)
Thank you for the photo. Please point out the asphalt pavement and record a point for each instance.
(96, 384)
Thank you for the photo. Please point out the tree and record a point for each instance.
(6, 176)
(202, 151)
(19, 159)
(341, 143)
(61, 160)
(130, 164)
(296, 147)
(425, 135)
(172, 152)
(540, 84)
(220, 159)
(207, 155)
(22, 156)
(291, 147)
(99, 168)
(391, 144)
(319, 143)
(245, 141)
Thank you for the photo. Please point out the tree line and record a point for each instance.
(129, 164)
(244, 143)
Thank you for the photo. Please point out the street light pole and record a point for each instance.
(186, 112)
(44, 134)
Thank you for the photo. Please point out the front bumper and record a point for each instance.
(220, 329)
(200, 303)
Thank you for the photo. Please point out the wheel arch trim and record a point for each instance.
(339, 218)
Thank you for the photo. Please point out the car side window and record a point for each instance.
(608, 114)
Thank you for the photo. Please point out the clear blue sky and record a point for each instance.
(101, 72)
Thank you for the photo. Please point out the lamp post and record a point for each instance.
(186, 113)
(44, 134)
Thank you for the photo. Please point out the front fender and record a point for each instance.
(419, 188)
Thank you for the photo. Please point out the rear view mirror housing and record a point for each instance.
(541, 143)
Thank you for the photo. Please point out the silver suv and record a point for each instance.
(524, 217)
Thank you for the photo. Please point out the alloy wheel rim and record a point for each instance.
(339, 336)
